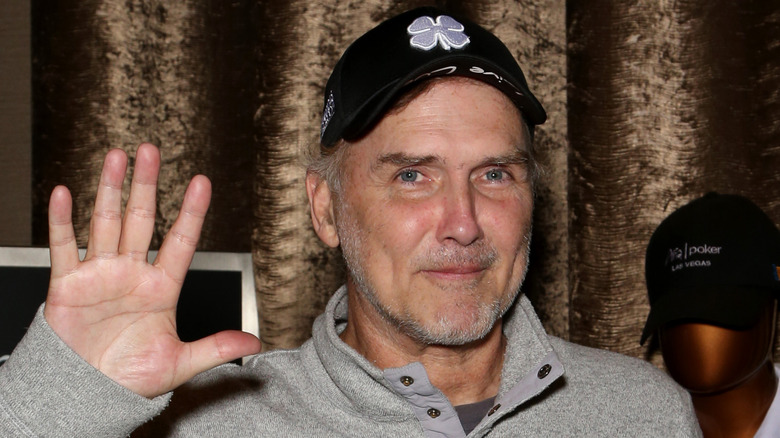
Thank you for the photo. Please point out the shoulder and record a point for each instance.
(596, 366)
(632, 392)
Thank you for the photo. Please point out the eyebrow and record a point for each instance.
(516, 157)
(401, 159)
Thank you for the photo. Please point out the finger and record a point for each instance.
(106, 224)
(220, 348)
(138, 222)
(179, 244)
(63, 248)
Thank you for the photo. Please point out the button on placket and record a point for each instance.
(434, 413)
(406, 380)
(544, 371)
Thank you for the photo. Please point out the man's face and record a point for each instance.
(435, 216)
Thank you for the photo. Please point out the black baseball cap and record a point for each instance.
(715, 261)
(410, 47)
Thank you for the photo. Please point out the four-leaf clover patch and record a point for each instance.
(445, 31)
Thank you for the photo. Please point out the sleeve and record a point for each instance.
(47, 390)
(690, 426)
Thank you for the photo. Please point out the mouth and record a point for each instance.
(455, 273)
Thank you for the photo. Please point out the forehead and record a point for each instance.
(446, 114)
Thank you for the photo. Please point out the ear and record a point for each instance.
(321, 206)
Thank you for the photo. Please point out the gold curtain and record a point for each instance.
(650, 104)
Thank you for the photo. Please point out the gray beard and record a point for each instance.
(443, 332)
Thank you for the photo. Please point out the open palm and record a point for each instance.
(114, 309)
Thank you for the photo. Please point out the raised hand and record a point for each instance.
(114, 309)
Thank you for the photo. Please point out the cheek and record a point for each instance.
(509, 223)
(396, 229)
(406, 218)
(417, 220)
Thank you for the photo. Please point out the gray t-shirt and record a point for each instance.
(471, 414)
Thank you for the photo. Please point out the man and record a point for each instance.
(712, 279)
(426, 183)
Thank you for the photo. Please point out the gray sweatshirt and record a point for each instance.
(549, 387)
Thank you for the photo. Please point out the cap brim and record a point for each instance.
(372, 110)
(736, 307)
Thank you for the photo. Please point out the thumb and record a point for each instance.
(220, 348)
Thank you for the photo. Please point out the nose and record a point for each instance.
(459, 216)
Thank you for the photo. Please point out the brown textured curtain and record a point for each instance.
(112, 74)
(649, 104)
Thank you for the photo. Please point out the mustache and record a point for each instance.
(481, 254)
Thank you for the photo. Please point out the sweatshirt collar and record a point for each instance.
(360, 386)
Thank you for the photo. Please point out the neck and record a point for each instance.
(464, 373)
(739, 411)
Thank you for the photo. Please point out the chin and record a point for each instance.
(458, 326)
(449, 336)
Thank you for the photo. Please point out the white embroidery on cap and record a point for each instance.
(444, 71)
(327, 113)
(445, 31)
(691, 256)
(500, 79)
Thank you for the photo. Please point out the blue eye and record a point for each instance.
(495, 175)
(409, 175)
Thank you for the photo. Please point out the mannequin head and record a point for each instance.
(706, 358)
(713, 282)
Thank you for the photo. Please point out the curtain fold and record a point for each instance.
(111, 74)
